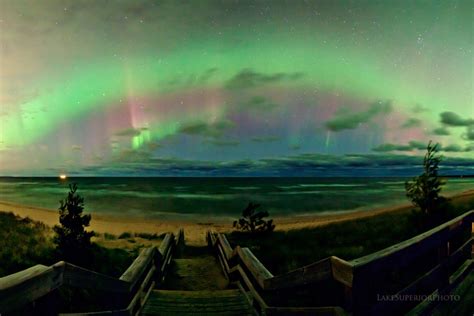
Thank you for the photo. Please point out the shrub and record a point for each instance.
(253, 220)
(108, 236)
(149, 236)
(72, 240)
(125, 235)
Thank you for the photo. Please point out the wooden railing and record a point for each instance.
(32, 291)
(388, 282)
(240, 265)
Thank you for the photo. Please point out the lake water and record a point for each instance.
(204, 198)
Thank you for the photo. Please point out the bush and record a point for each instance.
(253, 220)
(150, 236)
(125, 235)
(72, 240)
(108, 236)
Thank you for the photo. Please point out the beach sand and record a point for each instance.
(195, 232)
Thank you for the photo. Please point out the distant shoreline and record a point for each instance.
(195, 229)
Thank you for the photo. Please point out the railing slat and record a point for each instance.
(139, 266)
(84, 278)
(412, 248)
(256, 268)
(314, 272)
(224, 243)
(24, 287)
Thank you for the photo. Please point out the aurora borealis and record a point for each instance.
(233, 87)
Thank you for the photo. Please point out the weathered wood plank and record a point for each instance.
(26, 286)
(256, 268)
(342, 271)
(224, 243)
(84, 278)
(425, 285)
(138, 267)
(165, 244)
(314, 272)
(138, 299)
(223, 262)
(314, 311)
(418, 245)
(460, 255)
(121, 312)
(248, 284)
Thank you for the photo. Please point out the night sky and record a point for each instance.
(234, 87)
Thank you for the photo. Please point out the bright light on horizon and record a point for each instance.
(62, 176)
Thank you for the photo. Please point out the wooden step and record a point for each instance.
(195, 274)
(222, 302)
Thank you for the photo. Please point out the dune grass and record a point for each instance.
(25, 243)
(282, 251)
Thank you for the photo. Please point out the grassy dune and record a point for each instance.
(23, 243)
(282, 251)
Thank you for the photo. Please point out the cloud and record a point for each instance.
(76, 147)
(353, 120)
(213, 129)
(453, 119)
(441, 131)
(247, 78)
(259, 103)
(192, 79)
(392, 147)
(309, 164)
(418, 108)
(411, 122)
(265, 139)
(469, 135)
(453, 148)
(221, 142)
(417, 145)
(129, 132)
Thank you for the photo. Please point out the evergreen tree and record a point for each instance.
(72, 240)
(424, 189)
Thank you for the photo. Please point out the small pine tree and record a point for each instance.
(253, 220)
(424, 189)
(72, 240)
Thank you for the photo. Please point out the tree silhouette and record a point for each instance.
(424, 189)
(72, 240)
(253, 220)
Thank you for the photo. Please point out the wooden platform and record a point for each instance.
(221, 302)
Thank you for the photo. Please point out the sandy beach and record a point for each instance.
(195, 231)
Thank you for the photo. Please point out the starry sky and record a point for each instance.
(206, 88)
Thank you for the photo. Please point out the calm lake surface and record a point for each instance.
(201, 198)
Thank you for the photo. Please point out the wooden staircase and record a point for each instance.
(196, 285)
(219, 302)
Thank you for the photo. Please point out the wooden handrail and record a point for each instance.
(28, 285)
(138, 267)
(24, 287)
(79, 277)
(359, 276)
(314, 272)
(256, 268)
(419, 244)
